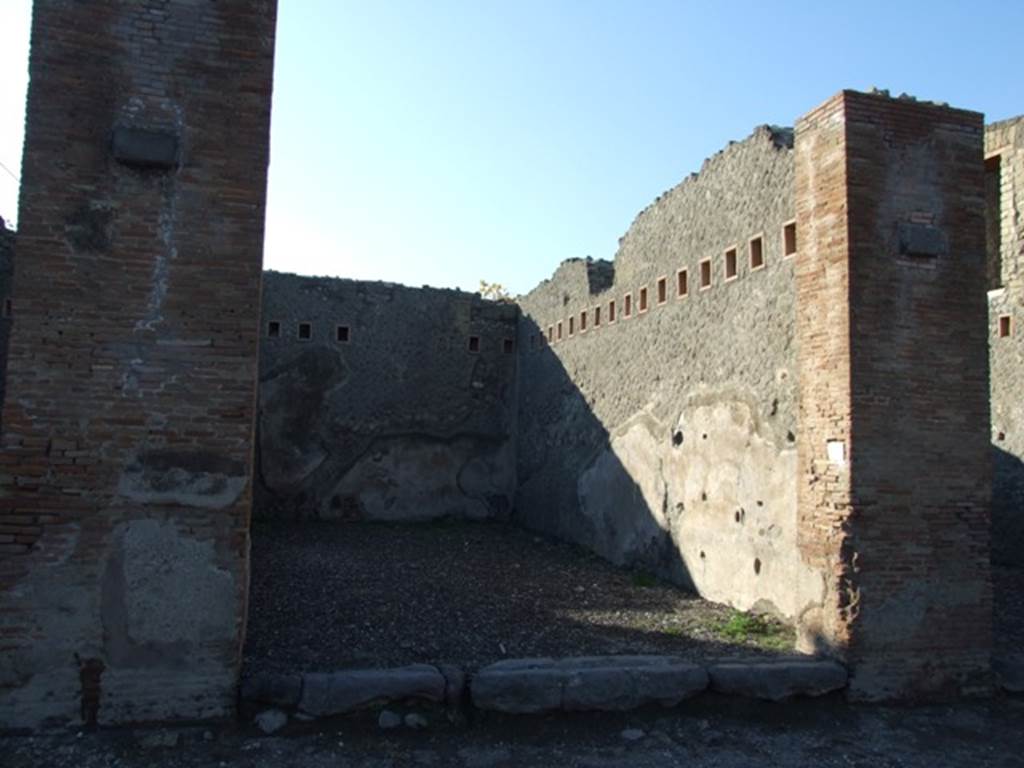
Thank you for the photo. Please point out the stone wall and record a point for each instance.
(1004, 152)
(130, 403)
(666, 440)
(383, 402)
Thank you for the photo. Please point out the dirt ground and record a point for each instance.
(333, 595)
(326, 596)
(703, 733)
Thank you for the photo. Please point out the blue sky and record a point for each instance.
(445, 142)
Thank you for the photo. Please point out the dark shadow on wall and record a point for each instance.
(559, 440)
(1007, 508)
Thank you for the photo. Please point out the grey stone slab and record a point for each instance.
(1009, 672)
(271, 721)
(609, 683)
(270, 688)
(335, 693)
(778, 680)
(520, 686)
(145, 148)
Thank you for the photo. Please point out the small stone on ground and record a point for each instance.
(271, 721)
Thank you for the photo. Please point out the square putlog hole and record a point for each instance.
(344, 335)
(731, 269)
(682, 283)
(305, 331)
(474, 344)
(705, 274)
(1005, 326)
(789, 238)
(756, 252)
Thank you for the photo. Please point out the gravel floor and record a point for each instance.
(699, 734)
(341, 595)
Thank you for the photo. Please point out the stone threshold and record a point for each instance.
(544, 685)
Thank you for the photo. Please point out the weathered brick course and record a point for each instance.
(129, 412)
(894, 486)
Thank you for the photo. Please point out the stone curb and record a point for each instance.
(532, 686)
(337, 693)
(776, 681)
(610, 684)
(322, 694)
(269, 688)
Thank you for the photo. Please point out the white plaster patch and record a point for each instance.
(622, 498)
(836, 452)
(174, 589)
(732, 497)
(413, 481)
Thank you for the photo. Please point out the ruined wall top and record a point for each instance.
(733, 177)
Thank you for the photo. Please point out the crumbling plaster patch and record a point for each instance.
(401, 421)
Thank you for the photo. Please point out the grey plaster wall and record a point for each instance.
(403, 420)
(667, 440)
(1006, 354)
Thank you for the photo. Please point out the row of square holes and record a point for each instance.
(343, 335)
(731, 262)
(304, 332)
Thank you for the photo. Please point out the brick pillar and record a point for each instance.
(128, 420)
(893, 440)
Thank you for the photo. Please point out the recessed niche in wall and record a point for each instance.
(344, 335)
(662, 290)
(705, 274)
(611, 311)
(583, 321)
(474, 344)
(305, 331)
(789, 238)
(1005, 326)
(8, 308)
(533, 341)
(730, 264)
(597, 317)
(682, 284)
(642, 302)
(551, 333)
(559, 336)
(756, 252)
(572, 325)
(508, 346)
(627, 306)
(273, 329)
